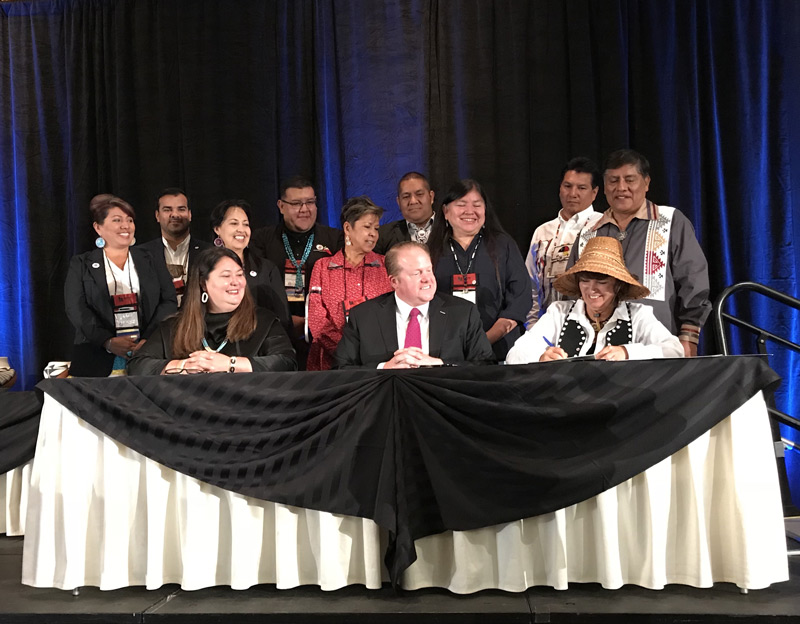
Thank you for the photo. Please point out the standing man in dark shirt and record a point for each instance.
(415, 199)
(176, 247)
(294, 245)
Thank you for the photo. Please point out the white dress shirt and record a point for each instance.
(401, 317)
(179, 256)
(121, 281)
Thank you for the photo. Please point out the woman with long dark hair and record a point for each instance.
(218, 329)
(475, 259)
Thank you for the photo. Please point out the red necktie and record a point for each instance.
(413, 333)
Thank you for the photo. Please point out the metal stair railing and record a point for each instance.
(762, 336)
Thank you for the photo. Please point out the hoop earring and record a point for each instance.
(100, 242)
(218, 242)
(204, 297)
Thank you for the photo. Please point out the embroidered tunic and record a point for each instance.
(551, 242)
(661, 251)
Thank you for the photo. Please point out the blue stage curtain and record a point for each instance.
(227, 97)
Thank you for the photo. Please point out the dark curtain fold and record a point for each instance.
(421, 452)
(226, 97)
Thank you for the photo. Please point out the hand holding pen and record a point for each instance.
(552, 352)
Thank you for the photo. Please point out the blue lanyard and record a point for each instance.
(218, 349)
(298, 264)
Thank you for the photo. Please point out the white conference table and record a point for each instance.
(100, 514)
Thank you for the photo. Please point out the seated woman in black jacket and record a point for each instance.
(218, 328)
(114, 295)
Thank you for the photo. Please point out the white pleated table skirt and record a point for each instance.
(14, 499)
(101, 514)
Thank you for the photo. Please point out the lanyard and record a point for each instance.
(128, 263)
(472, 258)
(218, 349)
(298, 264)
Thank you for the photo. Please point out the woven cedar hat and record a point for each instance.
(603, 254)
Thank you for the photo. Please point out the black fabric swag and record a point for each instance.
(420, 452)
(19, 424)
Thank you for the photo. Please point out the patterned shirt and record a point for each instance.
(334, 281)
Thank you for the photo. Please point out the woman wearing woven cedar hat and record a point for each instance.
(603, 321)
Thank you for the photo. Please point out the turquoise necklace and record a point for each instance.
(298, 264)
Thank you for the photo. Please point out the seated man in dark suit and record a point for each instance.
(176, 247)
(433, 329)
(415, 200)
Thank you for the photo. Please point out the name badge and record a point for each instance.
(126, 314)
(465, 286)
(290, 282)
(349, 304)
(558, 261)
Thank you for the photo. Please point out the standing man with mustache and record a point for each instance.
(659, 246)
(176, 247)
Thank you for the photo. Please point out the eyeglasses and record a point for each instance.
(184, 371)
(311, 203)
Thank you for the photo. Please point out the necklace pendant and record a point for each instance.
(621, 236)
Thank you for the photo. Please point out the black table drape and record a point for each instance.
(420, 452)
(19, 424)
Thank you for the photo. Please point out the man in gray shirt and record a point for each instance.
(659, 246)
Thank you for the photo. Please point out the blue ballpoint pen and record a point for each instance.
(549, 344)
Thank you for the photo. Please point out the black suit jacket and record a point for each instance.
(156, 249)
(392, 233)
(456, 333)
(266, 286)
(88, 306)
(389, 234)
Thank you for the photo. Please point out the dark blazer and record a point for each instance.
(370, 336)
(156, 249)
(266, 286)
(389, 234)
(392, 233)
(88, 306)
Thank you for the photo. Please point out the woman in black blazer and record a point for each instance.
(111, 324)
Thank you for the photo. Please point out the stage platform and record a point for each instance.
(779, 603)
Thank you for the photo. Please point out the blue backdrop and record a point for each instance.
(226, 97)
